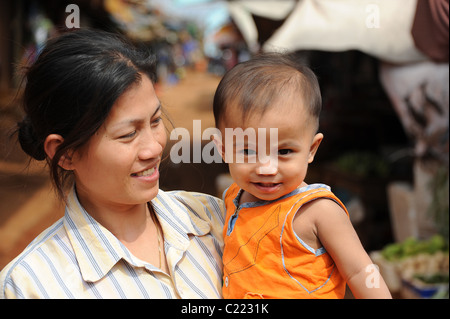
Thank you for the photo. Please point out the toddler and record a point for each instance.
(283, 238)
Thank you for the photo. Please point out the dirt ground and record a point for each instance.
(28, 204)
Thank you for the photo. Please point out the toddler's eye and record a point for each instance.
(284, 152)
(248, 152)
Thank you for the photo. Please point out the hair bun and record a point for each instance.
(29, 141)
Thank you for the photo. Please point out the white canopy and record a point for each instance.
(381, 28)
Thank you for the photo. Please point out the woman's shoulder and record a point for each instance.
(191, 205)
(193, 201)
(21, 267)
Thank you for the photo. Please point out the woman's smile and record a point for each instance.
(147, 172)
(149, 175)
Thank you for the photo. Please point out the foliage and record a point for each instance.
(411, 247)
(363, 164)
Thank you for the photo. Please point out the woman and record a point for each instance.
(92, 113)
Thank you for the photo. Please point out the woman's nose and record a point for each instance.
(150, 147)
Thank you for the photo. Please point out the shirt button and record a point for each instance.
(226, 281)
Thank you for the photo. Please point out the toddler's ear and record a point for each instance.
(51, 144)
(217, 139)
(315, 146)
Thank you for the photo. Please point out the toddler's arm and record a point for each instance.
(336, 233)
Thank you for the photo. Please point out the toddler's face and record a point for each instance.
(267, 165)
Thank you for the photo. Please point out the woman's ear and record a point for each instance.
(51, 144)
(315, 146)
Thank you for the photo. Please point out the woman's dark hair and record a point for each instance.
(256, 84)
(71, 88)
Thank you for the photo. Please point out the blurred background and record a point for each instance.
(383, 71)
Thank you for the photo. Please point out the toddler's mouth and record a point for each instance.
(268, 187)
(267, 184)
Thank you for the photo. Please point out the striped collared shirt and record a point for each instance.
(78, 258)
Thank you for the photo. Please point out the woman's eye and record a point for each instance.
(128, 135)
(284, 152)
(156, 121)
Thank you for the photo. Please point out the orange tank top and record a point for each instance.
(264, 258)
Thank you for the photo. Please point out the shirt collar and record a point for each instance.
(97, 250)
(264, 202)
(178, 217)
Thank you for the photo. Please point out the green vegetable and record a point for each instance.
(411, 247)
(433, 279)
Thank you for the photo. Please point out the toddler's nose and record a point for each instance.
(270, 167)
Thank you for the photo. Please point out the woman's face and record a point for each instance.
(119, 165)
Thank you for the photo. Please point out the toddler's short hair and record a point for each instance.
(257, 84)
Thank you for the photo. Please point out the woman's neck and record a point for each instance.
(126, 222)
(134, 226)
